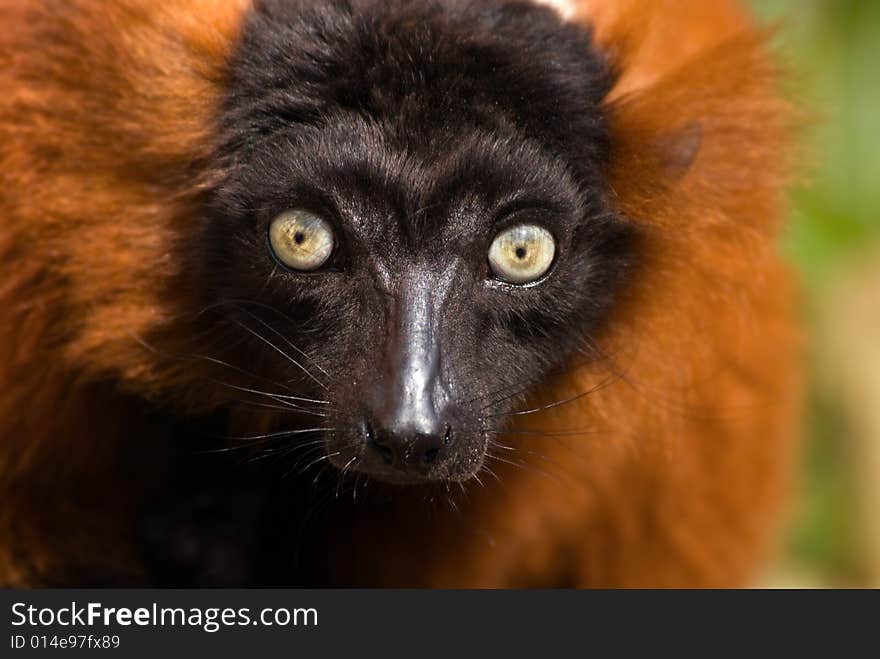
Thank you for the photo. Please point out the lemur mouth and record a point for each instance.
(408, 458)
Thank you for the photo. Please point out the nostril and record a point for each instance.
(434, 445)
(431, 455)
(385, 452)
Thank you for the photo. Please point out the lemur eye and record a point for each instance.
(301, 240)
(522, 254)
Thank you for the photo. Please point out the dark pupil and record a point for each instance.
(299, 237)
(521, 252)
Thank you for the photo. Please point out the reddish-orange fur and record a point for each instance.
(680, 470)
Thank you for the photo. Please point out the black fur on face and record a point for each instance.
(418, 130)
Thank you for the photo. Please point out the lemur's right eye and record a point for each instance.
(301, 240)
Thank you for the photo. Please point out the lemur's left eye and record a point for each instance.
(522, 254)
(301, 240)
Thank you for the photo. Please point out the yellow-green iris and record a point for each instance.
(301, 240)
(522, 254)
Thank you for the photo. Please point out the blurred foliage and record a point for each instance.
(832, 48)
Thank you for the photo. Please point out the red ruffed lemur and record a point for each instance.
(391, 293)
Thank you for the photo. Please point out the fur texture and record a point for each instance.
(672, 472)
(419, 130)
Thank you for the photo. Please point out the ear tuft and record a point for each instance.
(565, 8)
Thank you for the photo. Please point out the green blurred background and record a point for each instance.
(832, 48)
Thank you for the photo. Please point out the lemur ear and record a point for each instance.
(650, 156)
(704, 143)
(676, 151)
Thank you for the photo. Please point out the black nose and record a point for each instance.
(409, 452)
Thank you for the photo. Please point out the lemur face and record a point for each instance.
(414, 213)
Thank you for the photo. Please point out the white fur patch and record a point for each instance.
(566, 8)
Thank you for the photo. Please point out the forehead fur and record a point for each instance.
(421, 71)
